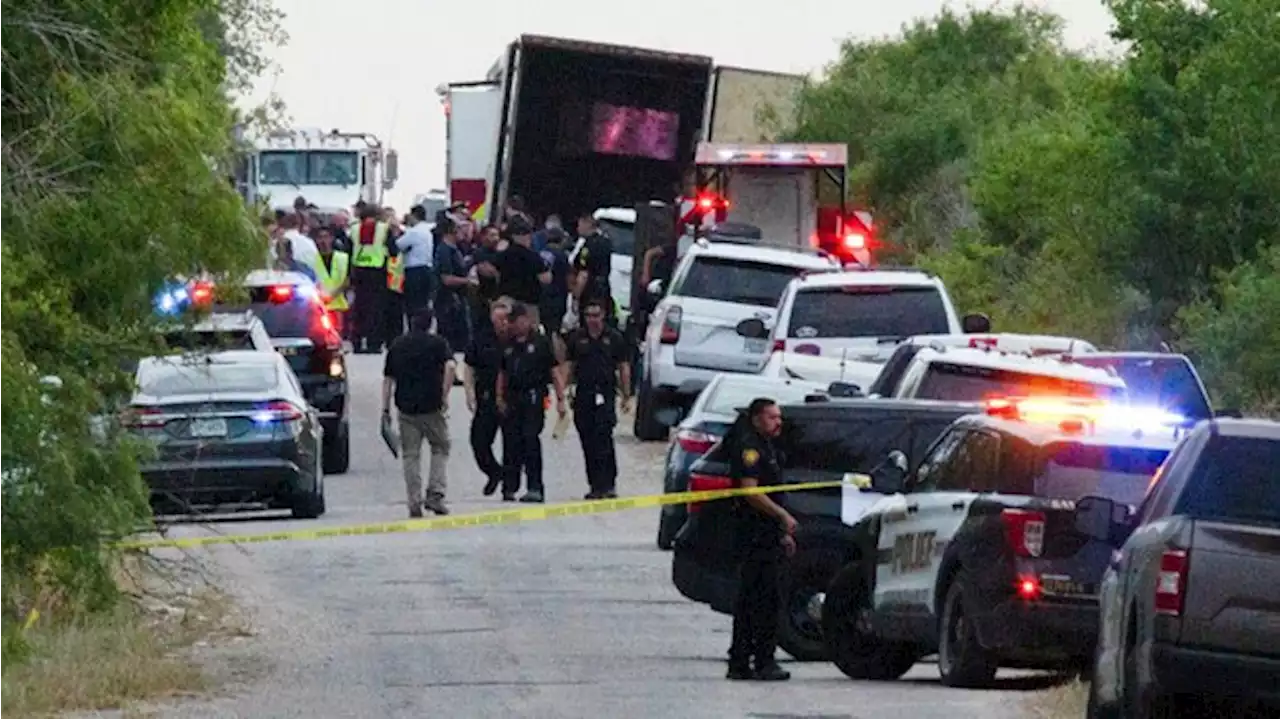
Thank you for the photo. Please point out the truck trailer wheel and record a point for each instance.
(853, 648)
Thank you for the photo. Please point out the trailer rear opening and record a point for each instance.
(601, 125)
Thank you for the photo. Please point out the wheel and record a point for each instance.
(337, 450)
(852, 646)
(646, 427)
(311, 504)
(962, 662)
(809, 573)
(668, 527)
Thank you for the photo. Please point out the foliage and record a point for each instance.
(1070, 194)
(114, 114)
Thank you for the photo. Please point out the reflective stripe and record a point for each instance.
(329, 282)
(395, 275)
(373, 255)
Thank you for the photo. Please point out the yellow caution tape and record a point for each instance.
(479, 519)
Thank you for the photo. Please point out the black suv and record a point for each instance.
(823, 440)
(302, 330)
(976, 554)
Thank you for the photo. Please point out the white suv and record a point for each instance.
(972, 375)
(693, 332)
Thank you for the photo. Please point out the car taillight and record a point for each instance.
(671, 326)
(705, 483)
(779, 345)
(138, 417)
(695, 442)
(277, 411)
(1171, 582)
(1028, 588)
(280, 293)
(1024, 531)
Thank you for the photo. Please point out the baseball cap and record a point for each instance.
(519, 226)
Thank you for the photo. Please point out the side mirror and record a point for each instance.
(890, 476)
(752, 328)
(391, 170)
(654, 288)
(1102, 519)
(976, 323)
(844, 389)
(1230, 413)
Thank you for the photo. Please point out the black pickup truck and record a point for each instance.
(1191, 602)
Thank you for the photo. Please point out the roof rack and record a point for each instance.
(856, 266)
(749, 242)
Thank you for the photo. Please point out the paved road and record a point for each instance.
(570, 618)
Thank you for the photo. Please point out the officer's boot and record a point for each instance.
(769, 671)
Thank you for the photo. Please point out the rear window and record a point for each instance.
(726, 280)
(622, 235)
(1235, 479)
(197, 340)
(966, 383)
(1166, 382)
(179, 378)
(729, 397)
(868, 312)
(1122, 474)
(296, 318)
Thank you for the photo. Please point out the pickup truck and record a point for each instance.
(1191, 602)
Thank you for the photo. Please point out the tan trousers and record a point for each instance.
(434, 429)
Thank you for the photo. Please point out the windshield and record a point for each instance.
(966, 383)
(180, 377)
(194, 339)
(1166, 382)
(297, 167)
(868, 312)
(729, 397)
(1235, 479)
(1073, 470)
(742, 282)
(622, 234)
(295, 318)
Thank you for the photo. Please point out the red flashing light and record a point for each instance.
(280, 293)
(1171, 582)
(1070, 413)
(326, 321)
(705, 483)
(984, 342)
(1028, 588)
(855, 241)
(202, 293)
(695, 442)
(1024, 531)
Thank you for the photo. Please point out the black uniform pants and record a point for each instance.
(755, 611)
(370, 285)
(392, 316)
(418, 288)
(522, 442)
(484, 429)
(595, 424)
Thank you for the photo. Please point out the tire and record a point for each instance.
(962, 662)
(337, 451)
(668, 527)
(309, 506)
(809, 573)
(855, 651)
(646, 427)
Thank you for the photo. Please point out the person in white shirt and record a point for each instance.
(417, 250)
(304, 248)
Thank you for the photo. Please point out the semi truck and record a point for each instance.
(333, 170)
(473, 121)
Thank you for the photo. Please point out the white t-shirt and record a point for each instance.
(304, 248)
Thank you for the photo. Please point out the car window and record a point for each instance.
(863, 311)
(296, 318)
(923, 435)
(1234, 479)
(933, 466)
(966, 383)
(181, 377)
(728, 397)
(1072, 470)
(205, 340)
(982, 471)
(843, 445)
(739, 281)
(1166, 382)
(622, 235)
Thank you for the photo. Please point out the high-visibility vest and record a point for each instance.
(372, 255)
(332, 278)
(395, 274)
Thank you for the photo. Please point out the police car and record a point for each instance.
(975, 554)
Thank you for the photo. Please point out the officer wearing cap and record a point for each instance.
(766, 537)
(528, 365)
(597, 356)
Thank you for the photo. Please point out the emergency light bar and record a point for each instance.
(715, 153)
(1073, 413)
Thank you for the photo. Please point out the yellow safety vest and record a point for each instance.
(395, 274)
(374, 255)
(330, 280)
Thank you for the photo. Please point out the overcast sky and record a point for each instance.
(335, 73)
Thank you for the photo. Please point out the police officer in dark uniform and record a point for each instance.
(766, 537)
(483, 360)
(597, 356)
(595, 258)
(528, 365)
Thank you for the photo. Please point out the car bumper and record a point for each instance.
(326, 394)
(1200, 671)
(226, 481)
(697, 583)
(1040, 632)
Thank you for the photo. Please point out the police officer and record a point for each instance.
(483, 360)
(528, 366)
(597, 356)
(594, 258)
(766, 537)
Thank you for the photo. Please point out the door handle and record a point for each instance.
(913, 508)
(958, 506)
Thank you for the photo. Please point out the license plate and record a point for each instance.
(209, 427)
(755, 346)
